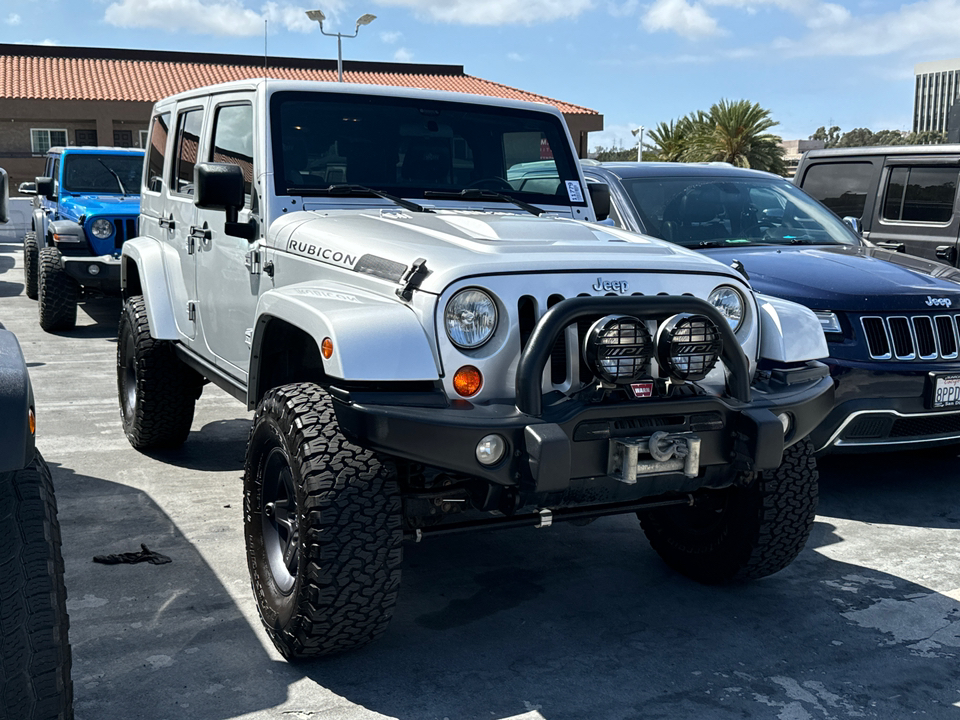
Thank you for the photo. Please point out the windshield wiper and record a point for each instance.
(123, 191)
(347, 189)
(481, 193)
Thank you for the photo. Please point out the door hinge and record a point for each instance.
(252, 261)
(192, 311)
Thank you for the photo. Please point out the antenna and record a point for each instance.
(265, 21)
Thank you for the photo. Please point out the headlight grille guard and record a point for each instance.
(534, 357)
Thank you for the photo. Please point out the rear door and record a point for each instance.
(917, 207)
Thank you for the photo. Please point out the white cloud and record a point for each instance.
(391, 37)
(13, 19)
(927, 28)
(223, 17)
(623, 9)
(679, 16)
(493, 12)
(515, 57)
(403, 55)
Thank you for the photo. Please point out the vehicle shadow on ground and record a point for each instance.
(219, 445)
(151, 641)
(920, 489)
(587, 623)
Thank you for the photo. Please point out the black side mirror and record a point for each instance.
(45, 187)
(219, 186)
(4, 196)
(600, 199)
(27, 188)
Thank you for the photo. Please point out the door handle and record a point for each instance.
(200, 233)
(895, 246)
(947, 253)
(167, 223)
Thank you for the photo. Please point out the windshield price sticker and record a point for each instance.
(946, 391)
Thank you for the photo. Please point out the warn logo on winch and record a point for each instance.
(642, 390)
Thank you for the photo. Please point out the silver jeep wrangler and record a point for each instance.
(408, 288)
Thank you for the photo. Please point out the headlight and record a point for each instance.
(470, 318)
(688, 346)
(730, 303)
(617, 348)
(102, 228)
(828, 321)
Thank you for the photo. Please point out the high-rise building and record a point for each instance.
(938, 87)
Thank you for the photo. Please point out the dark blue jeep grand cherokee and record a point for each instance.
(890, 319)
(87, 204)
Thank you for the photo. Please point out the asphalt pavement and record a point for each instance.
(563, 623)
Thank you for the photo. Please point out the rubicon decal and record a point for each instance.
(328, 255)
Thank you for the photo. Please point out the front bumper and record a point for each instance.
(885, 409)
(560, 447)
(106, 275)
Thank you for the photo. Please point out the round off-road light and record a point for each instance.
(326, 348)
(729, 302)
(490, 450)
(467, 381)
(617, 348)
(93, 269)
(786, 421)
(470, 318)
(688, 346)
(102, 228)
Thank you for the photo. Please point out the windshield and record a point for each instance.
(724, 211)
(87, 174)
(415, 148)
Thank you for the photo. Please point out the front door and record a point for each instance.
(228, 277)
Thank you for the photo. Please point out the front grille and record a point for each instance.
(888, 427)
(914, 337)
(923, 426)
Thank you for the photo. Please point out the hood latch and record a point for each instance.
(414, 276)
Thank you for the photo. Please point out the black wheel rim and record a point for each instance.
(281, 532)
(128, 375)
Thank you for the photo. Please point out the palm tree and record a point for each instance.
(671, 139)
(735, 132)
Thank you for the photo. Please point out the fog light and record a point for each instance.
(786, 421)
(93, 269)
(618, 348)
(688, 346)
(467, 381)
(491, 449)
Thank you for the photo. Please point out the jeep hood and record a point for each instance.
(463, 243)
(74, 206)
(846, 278)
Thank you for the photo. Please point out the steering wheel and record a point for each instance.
(491, 183)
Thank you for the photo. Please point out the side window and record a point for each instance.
(56, 176)
(920, 194)
(159, 130)
(842, 187)
(233, 140)
(189, 124)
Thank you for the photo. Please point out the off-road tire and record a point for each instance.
(343, 575)
(34, 648)
(740, 533)
(31, 262)
(57, 292)
(156, 390)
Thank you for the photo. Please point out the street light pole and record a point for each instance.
(319, 17)
(639, 131)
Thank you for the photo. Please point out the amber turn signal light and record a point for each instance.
(32, 421)
(467, 381)
(326, 348)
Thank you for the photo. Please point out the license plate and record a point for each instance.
(945, 390)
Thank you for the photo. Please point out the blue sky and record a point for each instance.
(812, 63)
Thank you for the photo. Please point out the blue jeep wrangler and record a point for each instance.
(86, 205)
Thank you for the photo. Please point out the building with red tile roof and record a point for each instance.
(89, 96)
